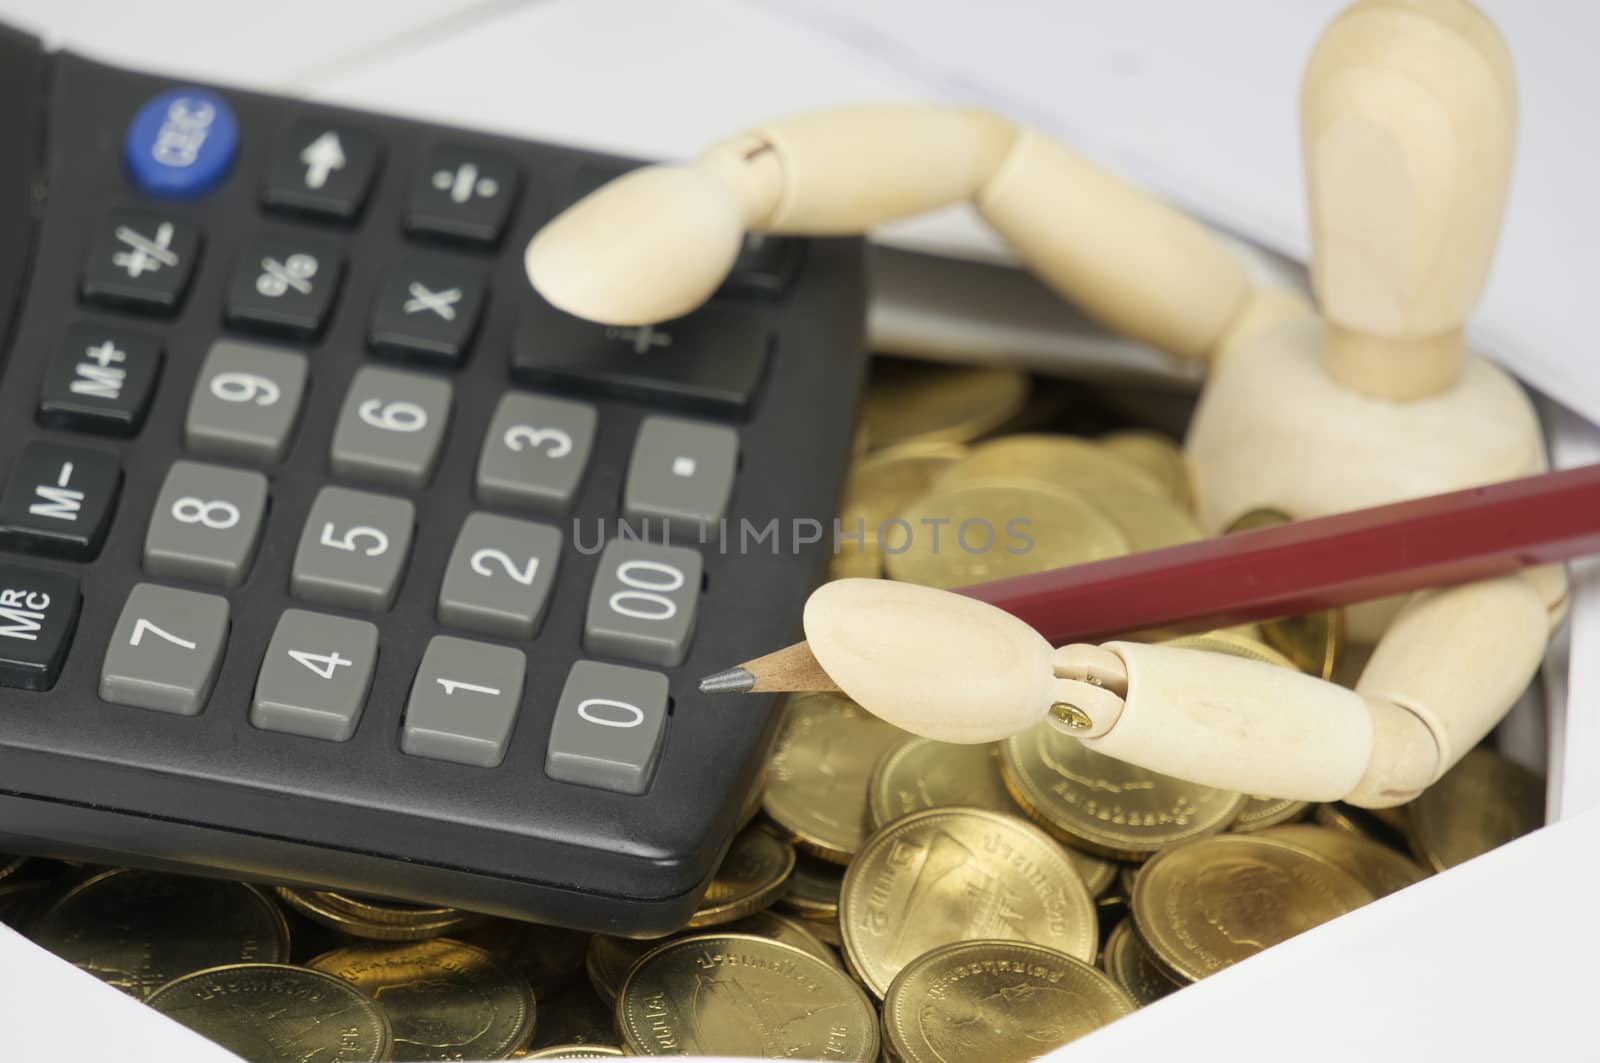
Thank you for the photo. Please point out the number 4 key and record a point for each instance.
(316, 675)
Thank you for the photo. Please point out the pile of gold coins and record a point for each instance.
(891, 898)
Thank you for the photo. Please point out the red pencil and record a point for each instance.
(1288, 570)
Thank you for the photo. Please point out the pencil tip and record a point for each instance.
(732, 681)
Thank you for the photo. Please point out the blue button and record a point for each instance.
(181, 144)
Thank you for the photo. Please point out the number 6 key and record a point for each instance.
(390, 428)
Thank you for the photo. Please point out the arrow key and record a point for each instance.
(322, 168)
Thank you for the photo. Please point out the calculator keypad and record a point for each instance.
(322, 169)
(499, 577)
(710, 360)
(390, 427)
(427, 309)
(463, 702)
(643, 603)
(245, 401)
(38, 615)
(318, 526)
(58, 501)
(315, 677)
(535, 452)
(100, 379)
(462, 193)
(353, 549)
(608, 727)
(682, 472)
(165, 650)
(285, 285)
(140, 260)
(206, 524)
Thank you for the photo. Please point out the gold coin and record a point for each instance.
(1258, 812)
(995, 1001)
(751, 877)
(575, 1015)
(1207, 905)
(818, 773)
(827, 930)
(445, 1000)
(21, 896)
(272, 1013)
(974, 532)
(1156, 454)
(1387, 826)
(1136, 503)
(1312, 642)
(813, 891)
(389, 912)
(1059, 461)
(740, 995)
(916, 401)
(1147, 522)
(545, 955)
(880, 487)
(946, 875)
(575, 1052)
(1104, 805)
(1480, 804)
(1377, 867)
(769, 924)
(920, 773)
(1128, 961)
(609, 961)
(138, 930)
(330, 910)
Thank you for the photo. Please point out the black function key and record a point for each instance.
(58, 501)
(322, 168)
(38, 612)
(285, 285)
(100, 380)
(462, 193)
(709, 360)
(427, 310)
(140, 260)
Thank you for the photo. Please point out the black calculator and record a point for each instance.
(331, 555)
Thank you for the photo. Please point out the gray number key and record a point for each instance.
(390, 427)
(463, 702)
(535, 452)
(315, 677)
(353, 549)
(643, 602)
(681, 471)
(206, 524)
(499, 577)
(607, 729)
(165, 650)
(245, 401)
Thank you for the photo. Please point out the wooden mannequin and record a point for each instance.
(1408, 123)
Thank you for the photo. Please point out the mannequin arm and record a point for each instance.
(1446, 671)
(657, 242)
(956, 669)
